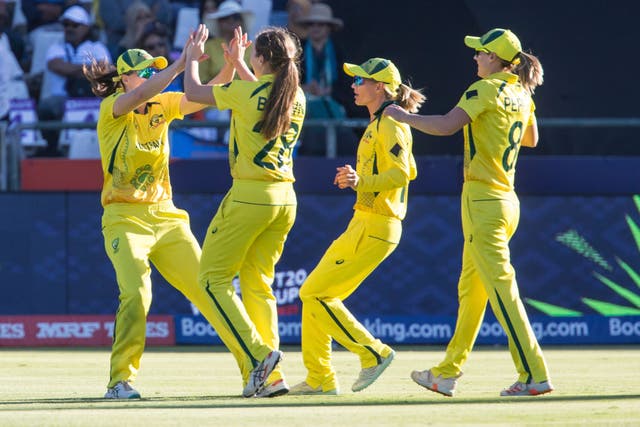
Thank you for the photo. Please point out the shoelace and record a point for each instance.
(259, 372)
(516, 387)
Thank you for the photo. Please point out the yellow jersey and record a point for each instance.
(385, 165)
(251, 157)
(134, 149)
(500, 109)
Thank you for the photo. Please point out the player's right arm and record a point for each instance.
(131, 100)
(440, 125)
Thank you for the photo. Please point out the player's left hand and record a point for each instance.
(346, 177)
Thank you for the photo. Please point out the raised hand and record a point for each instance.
(195, 43)
(234, 52)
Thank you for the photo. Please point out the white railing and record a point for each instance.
(11, 150)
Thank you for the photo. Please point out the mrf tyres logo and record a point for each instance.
(92, 329)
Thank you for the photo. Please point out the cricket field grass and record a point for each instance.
(201, 386)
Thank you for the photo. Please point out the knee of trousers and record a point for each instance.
(307, 295)
(136, 300)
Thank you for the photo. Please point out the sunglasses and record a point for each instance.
(147, 72)
(358, 80)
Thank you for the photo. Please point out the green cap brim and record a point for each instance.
(473, 42)
(355, 70)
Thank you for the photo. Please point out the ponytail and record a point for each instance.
(101, 74)
(281, 49)
(408, 98)
(529, 70)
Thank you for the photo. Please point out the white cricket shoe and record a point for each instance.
(531, 389)
(276, 388)
(122, 390)
(369, 375)
(260, 373)
(304, 388)
(444, 386)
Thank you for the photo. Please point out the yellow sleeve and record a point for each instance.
(477, 99)
(171, 105)
(393, 155)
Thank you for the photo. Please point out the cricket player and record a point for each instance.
(384, 168)
(247, 234)
(497, 113)
(140, 223)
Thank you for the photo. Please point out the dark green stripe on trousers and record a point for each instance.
(254, 362)
(514, 337)
(341, 326)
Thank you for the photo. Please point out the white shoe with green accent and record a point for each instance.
(305, 389)
(122, 390)
(369, 375)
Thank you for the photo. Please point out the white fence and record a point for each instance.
(12, 149)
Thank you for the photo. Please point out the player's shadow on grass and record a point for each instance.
(231, 402)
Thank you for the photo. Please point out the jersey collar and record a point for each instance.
(502, 75)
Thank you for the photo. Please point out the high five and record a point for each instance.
(247, 234)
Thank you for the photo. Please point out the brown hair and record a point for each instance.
(407, 97)
(281, 49)
(100, 74)
(529, 70)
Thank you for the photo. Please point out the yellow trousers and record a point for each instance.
(368, 240)
(489, 220)
(134, 236)
(246, 237)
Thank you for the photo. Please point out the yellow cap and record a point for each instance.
(378, 69)
(502, 42)
(138, 59)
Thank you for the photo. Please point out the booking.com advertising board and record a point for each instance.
(577, 260)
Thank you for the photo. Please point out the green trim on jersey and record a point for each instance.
(500, 109)
(385, 166)
(134, 149)
(251, 157)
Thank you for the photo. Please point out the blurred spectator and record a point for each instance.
(112, 12)
(63, 76)
(221, 25)
(44, 26)
(261, 10)
(41, 12)
(207, 7)
(155, 39)
(326, 86)
(11, 32)
(296, 10)
(137, 16)
(17, 20)
(11, 74)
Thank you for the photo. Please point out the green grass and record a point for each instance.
(194, 386)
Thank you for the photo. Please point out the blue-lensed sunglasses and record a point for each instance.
(358, 80)
(147, 72)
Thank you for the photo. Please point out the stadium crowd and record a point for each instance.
(45, 43)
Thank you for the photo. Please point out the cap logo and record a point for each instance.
(379, 66)
(488, 38)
